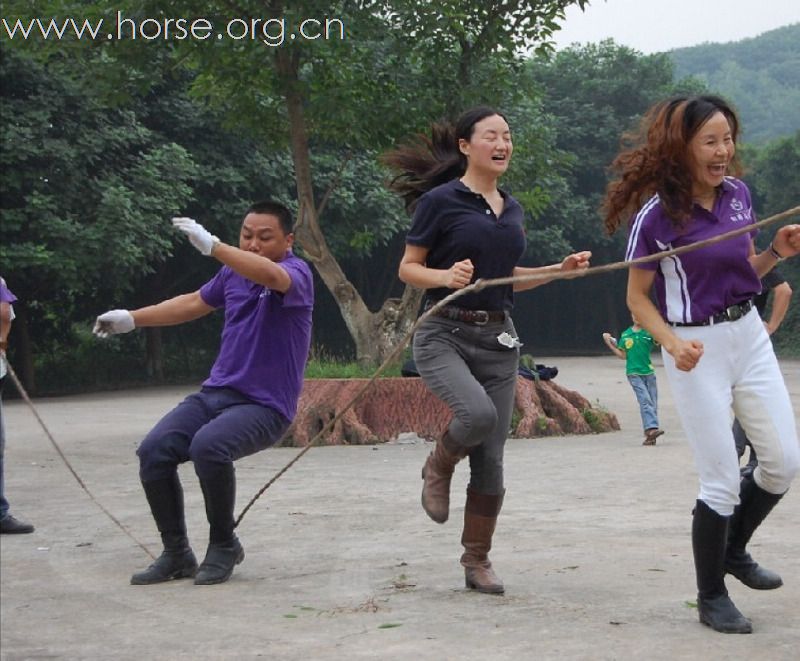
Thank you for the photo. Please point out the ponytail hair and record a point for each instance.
(426, 162)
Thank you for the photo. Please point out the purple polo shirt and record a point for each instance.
(454, 224)
(700, 283)
(266, 336)
(6, 296)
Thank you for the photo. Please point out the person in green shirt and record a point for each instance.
(634, 347)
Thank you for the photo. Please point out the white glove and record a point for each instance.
(113, 322)
(198, 235)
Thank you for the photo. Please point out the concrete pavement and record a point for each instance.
(341, 563)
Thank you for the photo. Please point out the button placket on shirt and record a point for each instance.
(489, 211)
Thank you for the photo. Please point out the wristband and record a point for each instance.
(775, 253)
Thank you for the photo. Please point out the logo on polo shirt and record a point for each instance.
(740, 214)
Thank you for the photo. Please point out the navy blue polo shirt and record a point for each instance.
(454, 224)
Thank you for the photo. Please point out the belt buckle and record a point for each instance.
(734, 312)
(481, 317)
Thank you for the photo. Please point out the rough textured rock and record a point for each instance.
(392, 406)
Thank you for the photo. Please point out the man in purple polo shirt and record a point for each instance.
(8, 524)
(248, 400)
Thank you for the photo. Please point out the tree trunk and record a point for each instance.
(375, 334)
(393, 406)
(154, 362)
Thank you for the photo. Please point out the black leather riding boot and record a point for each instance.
(224, 550)
(165, 497)
(754, 505)
(714, 606)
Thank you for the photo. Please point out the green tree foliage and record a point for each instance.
(360, 91)
(761, 76)
(596, 92)
(84, 194)
(776, 175)
(468, 49)
(774, 178)
(75, 175)
(589, 96)
(109, 139)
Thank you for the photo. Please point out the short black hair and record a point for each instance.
(270, 208)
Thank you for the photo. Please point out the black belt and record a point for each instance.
(731, 313)
(477, 317)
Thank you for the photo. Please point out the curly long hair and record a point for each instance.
(656, 159)
(426, 162)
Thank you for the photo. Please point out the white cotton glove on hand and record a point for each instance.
(198, 235)
(113, 322)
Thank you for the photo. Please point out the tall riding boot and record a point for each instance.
(165, 497)
(480, 519)
(754, 505)
(224, 550)
(714, 606)
(437, 473)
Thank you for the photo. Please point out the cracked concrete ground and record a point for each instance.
(593, 545)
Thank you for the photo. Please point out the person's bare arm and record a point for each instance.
(5, 325)
(781, 295)
(256, 268)
(686, 353)
(173, 311)
(261, 270)
(611, 343)
(785, 244)
(578, 260)
(413, 271)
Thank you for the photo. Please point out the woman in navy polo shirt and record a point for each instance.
(717, 354)
(465, 228)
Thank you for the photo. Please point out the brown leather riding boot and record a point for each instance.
(480, 519)
(437, 473)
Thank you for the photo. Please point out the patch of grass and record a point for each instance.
(389, 625)
(516, 416)
(595, 417)
(322, 368)
(591, 418)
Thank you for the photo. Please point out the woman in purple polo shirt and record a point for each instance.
(465, 228)
(249, 398)
(717, 354)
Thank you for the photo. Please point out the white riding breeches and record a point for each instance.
(738, 374)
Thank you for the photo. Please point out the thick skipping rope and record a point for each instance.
(476, 286)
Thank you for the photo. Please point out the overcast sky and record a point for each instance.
(652, 26)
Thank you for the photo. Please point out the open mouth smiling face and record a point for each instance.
(490, 146)
(712, 149)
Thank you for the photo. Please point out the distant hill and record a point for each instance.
(760, 76)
